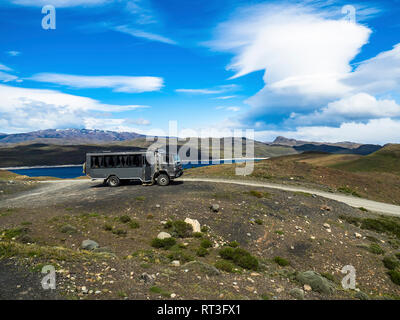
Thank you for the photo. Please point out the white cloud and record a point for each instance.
(23, 109)
(304, 51)
(378, 75)
(13, 53)
(143, 34)
(232, 108)
(225, 97)
(4, 68)
(376, 131)
(117, 83)
(361, 106)
(59, 3)
(5, 77)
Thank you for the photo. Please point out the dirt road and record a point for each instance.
(57, 190)
(370, 205)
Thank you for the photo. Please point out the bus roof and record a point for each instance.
(104, 153)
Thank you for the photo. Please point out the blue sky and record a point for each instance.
(297, 68)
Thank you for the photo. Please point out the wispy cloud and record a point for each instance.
(13, 53)
(144, 34)
(117, 83)
(5, 68)
(225, 97)
(216, 90)
(229, 108)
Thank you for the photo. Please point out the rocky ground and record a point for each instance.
(294, 244)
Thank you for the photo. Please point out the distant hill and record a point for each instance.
(71, 136)
(339, 147)
(385, 160)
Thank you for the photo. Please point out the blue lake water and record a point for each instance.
(76, 171)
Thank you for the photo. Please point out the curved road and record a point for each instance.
(384, 208)
(59, 187)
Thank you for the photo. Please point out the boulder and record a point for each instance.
(163, 235)
(68, 229)
(89, 245)
(316, 282)
(194, 223)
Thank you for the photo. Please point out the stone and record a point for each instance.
(173, 295)
(316, 282)
(297, 293)
(307, 287)
(84, 290)
(194, 223)
(147, 278)
(326, 208)
(327, 226)
(198, 266)
(361, 295)
(163, 235)
(176, 263)
(357, 235)
(214, 207)
(89, 245)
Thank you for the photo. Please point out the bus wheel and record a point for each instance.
(113, 181)
(163, 180)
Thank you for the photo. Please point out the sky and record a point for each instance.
(310, 70)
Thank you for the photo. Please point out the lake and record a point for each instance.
(71, 172)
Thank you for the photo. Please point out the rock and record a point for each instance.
(68, 229)
(198, 266)
(84, 290)
(194, 223)
(147, 278)
(328, 230)
(214, 207)
(326, 208)
(357, 235)
(89, 245)
(163, 235)
(307, 287)
(158, 206)
(176, 263)
(316, 282)
(297, 293)
(327, 226)
(173, 295)
(361, 295)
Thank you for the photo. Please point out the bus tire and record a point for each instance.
(113, 181)
(163, 180)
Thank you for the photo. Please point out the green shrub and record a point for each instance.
(204, 229)
(160, 291)
(259, 194)
(240, 257)
(125, 219)
(197, 234)
(224, 265)
(394, 276)
(134, 225)
(328, 276)
(348, 191)
(166, 243)
(390, 263)
(201, 252)
(180, 255)
(363, 209)
(397, 255)
(258, 221)
(233, 244)
(179, 228)
(108, 227)
(281, 261)
(9, 234)
(150, 216)
(206, 243)
(375, 248)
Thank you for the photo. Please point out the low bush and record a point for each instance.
(224, 265)
(206, 243)
(240, 257)
(394, 276)
(375, 248)
(281, 261)
(390, 263)
(179, 228)
(125, 219)
(201, 252)
(163, 243)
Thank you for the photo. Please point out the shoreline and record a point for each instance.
(80, 165)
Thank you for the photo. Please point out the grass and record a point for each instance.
(328, 276)
(259, 194)
(383, 224)
(348, 190)
(183, 257)
(163, 243)
(363, 209)
(240, 257)
(140, 198)
(160, 291)
(375, 249)
(280, 232)
(233, 244)
(258, 221)
(390, 263)
(125, 219)
(394, 276)
(281, 261)
(9, 234)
